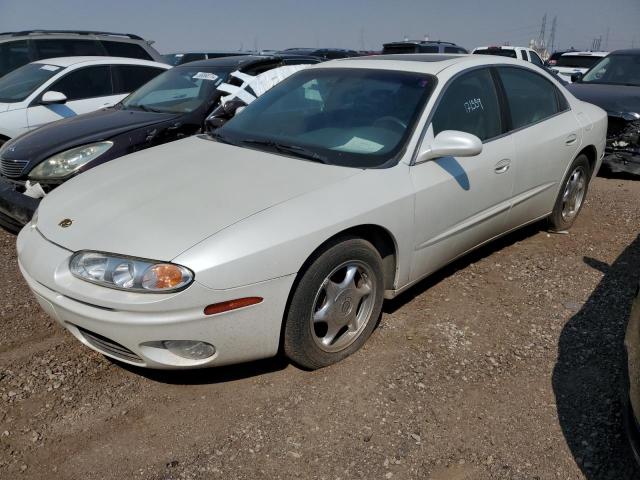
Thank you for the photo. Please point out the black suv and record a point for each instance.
(173, 105)
(20, 48)
(421, 46)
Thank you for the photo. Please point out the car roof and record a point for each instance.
(586, 54)
(238, 61)
(69, 61)
(626, 51)
(430, 63)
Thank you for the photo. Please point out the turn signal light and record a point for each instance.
(231, 305)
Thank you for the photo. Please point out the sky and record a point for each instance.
(275, 24)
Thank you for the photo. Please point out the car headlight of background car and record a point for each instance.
(65, 163)
(127, 273)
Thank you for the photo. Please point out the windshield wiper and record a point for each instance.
(296, 150)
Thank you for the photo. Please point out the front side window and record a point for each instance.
(352, 117)
(470, 104)
(125, 49)
(17, 85)
(88, 82)
(182, 89)
(13, 55)
(615, 70)
(531, 97)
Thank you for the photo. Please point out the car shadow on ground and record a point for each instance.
(391, 306)
(588, 375)
(209, 376)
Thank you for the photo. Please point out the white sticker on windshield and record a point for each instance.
(51, 68)
(359, 145)
(205, 76)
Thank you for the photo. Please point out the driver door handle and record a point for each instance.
(502, 166)
(571, 139)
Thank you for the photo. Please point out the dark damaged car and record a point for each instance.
(614, 85)
(173, 105)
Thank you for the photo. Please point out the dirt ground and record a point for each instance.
(504, 366)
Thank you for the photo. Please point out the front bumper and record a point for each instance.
(622, 162)
(622, 153)
(632, 380)
(16, 209)
(130, 326)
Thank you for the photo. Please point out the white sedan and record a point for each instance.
(48, 90)
(343, 185)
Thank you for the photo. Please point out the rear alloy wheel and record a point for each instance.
(571, 196)
(336, 304)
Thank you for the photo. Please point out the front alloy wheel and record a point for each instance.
(335, 305)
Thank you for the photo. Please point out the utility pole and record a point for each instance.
(552, 35)
(542, 31)
(606, 41)
(362, 39)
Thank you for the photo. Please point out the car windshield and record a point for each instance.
(179, 90)
(501, 52)
(173, 58)
(615, 70)
(22, 82)
(351, 117)
(577, 61)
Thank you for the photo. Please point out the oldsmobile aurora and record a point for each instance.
(345, 184)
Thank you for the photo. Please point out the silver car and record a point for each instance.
(343, 185)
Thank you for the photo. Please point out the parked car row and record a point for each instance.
(208, 217)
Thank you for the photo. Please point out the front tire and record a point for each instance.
(335, 305)
(572, 195)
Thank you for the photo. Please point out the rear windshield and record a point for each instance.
(577, 61)
(22, 82)
(500, 52)
(409, 48)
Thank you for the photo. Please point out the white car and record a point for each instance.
(509, 51)
(55, 88)
(576, 62)
(345, 184)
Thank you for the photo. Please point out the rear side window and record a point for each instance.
(531, 97)
(500, 52)
(51, 48)
(470, 104)
(523, 55)
(577, 61)
(536, 59)
(128, 78)
(428, 49)
(88, 82)
(124, 49)
(13, 55)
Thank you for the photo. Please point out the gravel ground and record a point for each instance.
(506, 365)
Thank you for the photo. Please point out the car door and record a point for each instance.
(86, 88)
(546, 135)
(462, 202)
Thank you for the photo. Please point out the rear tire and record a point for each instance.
(335, 305)
(571, 195)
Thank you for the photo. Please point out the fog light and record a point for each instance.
(191, 349)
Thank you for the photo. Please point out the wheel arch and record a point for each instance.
(591, 153)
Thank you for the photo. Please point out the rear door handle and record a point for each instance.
(502, 166)
(571, 139)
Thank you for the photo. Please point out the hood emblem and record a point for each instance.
(65, 223)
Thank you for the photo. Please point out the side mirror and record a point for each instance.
(451, 143)
(52, 97)
(223, 113)
(576, 77)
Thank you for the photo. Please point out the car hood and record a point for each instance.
(615, 99)
(159, 202)
(67, 133)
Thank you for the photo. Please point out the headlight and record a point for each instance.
(128, 273)
(65, 163)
